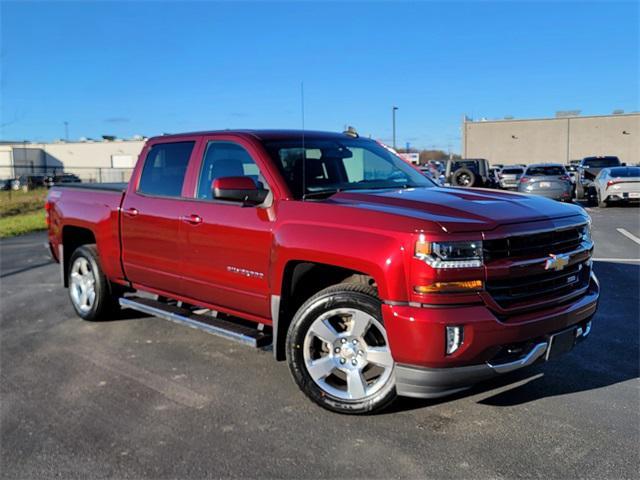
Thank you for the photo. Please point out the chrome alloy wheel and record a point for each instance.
(347, 354)
(82, 285)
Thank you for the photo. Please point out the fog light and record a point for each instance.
(455, 337)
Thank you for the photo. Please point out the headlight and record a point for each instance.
(586, 232)
(467, 254)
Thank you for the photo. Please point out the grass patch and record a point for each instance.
(20, 224)
(22, 212)
(19, 202)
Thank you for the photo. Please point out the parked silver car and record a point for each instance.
(617, 184)
(550, 180)
(509, 176)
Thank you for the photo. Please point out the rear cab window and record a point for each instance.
(546, 171)
(600, 162)
(512, 171)
(625, 172)
(164, 169)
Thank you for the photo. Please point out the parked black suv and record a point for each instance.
(468, 172)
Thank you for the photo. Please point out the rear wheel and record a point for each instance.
(338, 352)
(89, 290)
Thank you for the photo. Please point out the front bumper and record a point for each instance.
(416, 338)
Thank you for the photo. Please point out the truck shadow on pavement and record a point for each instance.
(608, 357)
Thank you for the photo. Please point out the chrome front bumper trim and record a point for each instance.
(536, 352)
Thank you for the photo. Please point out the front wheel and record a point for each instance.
(338, 352)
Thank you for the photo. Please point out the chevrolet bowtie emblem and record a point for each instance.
(556, 262)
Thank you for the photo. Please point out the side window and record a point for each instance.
(226, 159)
(164, 169)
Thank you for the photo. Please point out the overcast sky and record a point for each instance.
(150, 67)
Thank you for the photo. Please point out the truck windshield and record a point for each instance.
(333, 165)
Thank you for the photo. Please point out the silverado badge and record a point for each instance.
(556, 262)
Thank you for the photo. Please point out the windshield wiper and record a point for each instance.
(321, 193)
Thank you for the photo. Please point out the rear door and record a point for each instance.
(151, 214)
(228, 245)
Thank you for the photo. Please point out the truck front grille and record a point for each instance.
(513, 292)
(536, 244)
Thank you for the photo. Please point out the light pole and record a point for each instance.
(393, 116)
(66, 131)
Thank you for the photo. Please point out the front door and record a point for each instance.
(229, 245)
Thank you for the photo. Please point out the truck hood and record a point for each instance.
(459, 209)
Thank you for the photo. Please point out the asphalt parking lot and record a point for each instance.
(140, 397)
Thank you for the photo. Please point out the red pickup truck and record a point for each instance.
(369, 279)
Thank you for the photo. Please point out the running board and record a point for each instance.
(216, 326)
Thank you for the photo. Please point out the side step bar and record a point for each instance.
(216, 326)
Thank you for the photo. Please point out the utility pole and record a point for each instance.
(66, 131)
(393, 116)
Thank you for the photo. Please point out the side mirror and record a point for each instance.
(624, 164)
(238, 189)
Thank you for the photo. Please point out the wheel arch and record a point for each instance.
(73, 237)
(302, 279)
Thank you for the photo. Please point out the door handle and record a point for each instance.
(131, 212)
(192, 219)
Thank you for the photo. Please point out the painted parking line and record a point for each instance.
(621, 260)
(629, 235)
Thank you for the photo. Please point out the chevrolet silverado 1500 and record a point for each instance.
(366, 277)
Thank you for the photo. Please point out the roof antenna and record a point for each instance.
(304, 151)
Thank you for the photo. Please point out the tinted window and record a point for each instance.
(601, 162)
(164, 169)
(226, 159)
(341, 164)
(625, 172)
(512, 171)
(543, 171)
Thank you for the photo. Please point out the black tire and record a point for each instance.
(105, 303)
(463, 178)
(346, 295)
(579, 192)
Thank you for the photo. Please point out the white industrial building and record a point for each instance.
(91, 160)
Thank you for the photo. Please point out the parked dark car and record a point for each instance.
(27, 182)
(468, 172)
(587, 172)
(62, 178)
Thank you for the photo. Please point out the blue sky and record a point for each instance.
(145, 68)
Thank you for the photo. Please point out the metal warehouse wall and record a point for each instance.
(553, 139)
(89, 160)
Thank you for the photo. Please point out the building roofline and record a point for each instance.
(506, 120)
